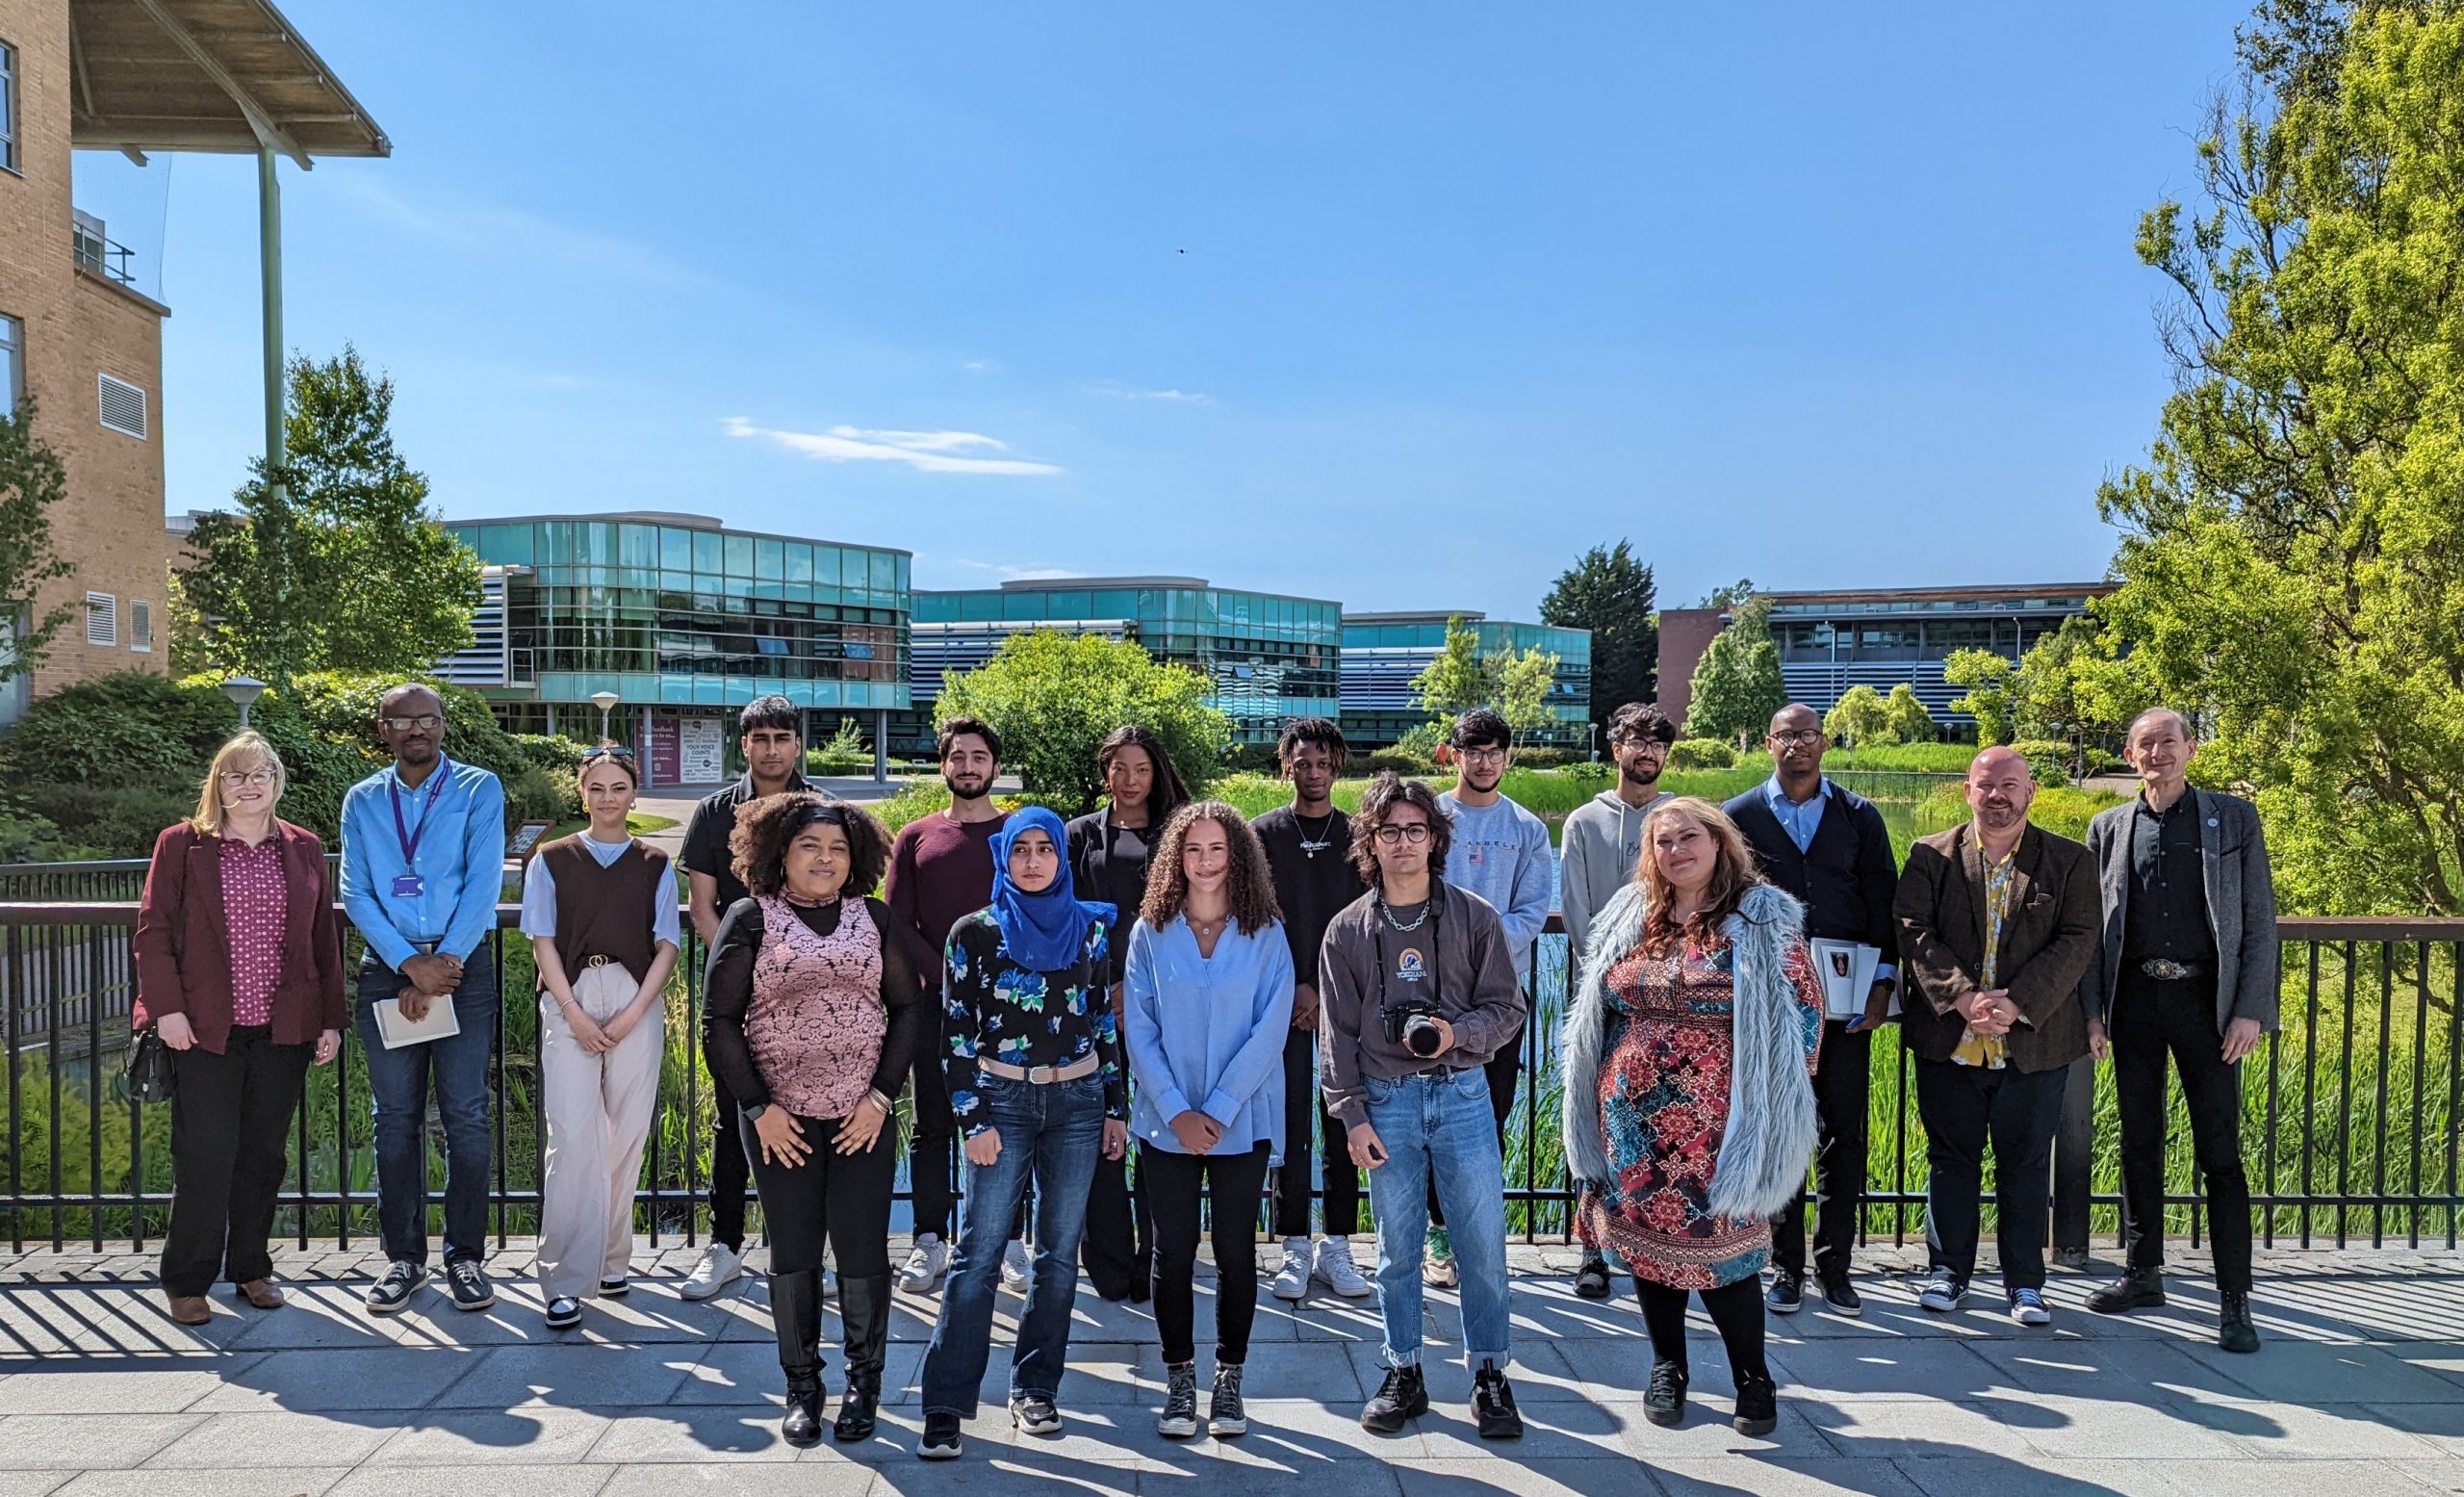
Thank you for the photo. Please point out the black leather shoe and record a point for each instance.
(1493, 1408)
(802, 1425)
(1591, 1280)
(2137, 1289)
(2234, 1330)
(1841, 1296)
(858, 1413)
(1403, 1396)
(1786, 1293)
(1664, 1401)
(1758, 1406)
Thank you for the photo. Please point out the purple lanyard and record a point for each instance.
(409, 839)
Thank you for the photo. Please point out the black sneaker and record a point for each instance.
(941, 1440)
(2137, 1289)
(1786, 1293)
(391, 1293)
(1493, 1405)
(2234, 1328)
(1758, 1406)
(1401, 1396)
(1841, 1296)
(1034, 1413)
(468, 1283)
(615, 1288)
(1179, 1419)
(1941, 1292)
(1591, 1280)
(1225, 1414)
(564, 1313)
(1664, 1401)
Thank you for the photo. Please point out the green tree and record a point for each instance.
(2073, 686)
(1612, 595)
(1861, 717)
(340, 566)
(1457, 680)
(2293, 555)
(1522, 681)
(32, 483)
(1052, 697)
(1987, 675)
(1906, 719)
(1737, 684)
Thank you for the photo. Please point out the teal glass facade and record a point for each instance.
(1382, 653)
(673, 609)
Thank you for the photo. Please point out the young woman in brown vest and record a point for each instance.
(600, 908)
(814, 1017)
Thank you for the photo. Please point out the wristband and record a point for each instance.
(875, 1096)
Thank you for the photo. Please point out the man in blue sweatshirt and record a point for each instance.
(1501, 854)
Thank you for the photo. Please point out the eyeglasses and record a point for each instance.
(257, 779)
(607, 751)
(431, 722)
(1652, 746)
(1412, 832)
(1483, 755)
(1798, 736)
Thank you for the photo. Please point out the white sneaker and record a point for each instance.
(1017, 1270)
(926, 1262)
(1291, 1283)
(1336, 1269)
(1437, 1260)
(720, 1267)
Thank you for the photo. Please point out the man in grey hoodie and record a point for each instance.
(1603, 841)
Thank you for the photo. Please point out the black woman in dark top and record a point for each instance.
(814, 1017)
(1108, 855)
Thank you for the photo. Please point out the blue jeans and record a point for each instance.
(399, 1082)
(1439, 1128)
(1054, 1133)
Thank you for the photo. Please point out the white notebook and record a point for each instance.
(397, 1031)
(1847, 970)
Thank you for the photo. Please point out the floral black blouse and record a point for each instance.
(1003, 1012)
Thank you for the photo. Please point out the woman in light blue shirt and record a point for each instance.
(1208, 993)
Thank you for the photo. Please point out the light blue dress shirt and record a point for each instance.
(461, 862)
(1206, 1034)
(1798, 821)
(539, 894)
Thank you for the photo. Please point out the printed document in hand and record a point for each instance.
(1847, 969)
(397, 1031)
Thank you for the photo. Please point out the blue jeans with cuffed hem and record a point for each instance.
(399, 1080)
(1052, 1133)
(1439, 1128)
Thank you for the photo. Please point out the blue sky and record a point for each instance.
(1403, 305)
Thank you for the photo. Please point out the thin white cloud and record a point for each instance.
(926, 452)
(1131, 392)
(979, 366)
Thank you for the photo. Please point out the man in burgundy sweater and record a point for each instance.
(940, 869)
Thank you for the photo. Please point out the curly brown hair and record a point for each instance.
(1732, 874)
(1250, 886)
(1384, 793)
(766, 828)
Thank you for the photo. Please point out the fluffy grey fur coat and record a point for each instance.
(1769, 1139)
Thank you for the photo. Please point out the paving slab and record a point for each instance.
(88, 1442)
(527, 1437)
(268, 1482)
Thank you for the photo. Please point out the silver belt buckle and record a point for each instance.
(2163, 969)
(1042, 1075)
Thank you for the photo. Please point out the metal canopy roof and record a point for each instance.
(207, 75)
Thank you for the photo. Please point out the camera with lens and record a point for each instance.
(1413, 1024)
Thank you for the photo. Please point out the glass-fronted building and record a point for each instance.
(684, 620)
(1382, 651)
(1266, 656)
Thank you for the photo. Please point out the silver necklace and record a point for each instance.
(1324, 841)
(1418, 920)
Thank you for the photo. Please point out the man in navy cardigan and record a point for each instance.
(1829, 847)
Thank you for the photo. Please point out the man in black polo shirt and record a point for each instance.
(1829, 847)
(771, 732)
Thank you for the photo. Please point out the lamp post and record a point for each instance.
(606, 701)
(243, 692)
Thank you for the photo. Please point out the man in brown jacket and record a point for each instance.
(1997, 927)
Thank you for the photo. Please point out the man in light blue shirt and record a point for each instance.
(422, 869)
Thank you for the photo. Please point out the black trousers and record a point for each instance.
(930, 1172)
(2150, 1020)
(729, 1174)
(1174, 1186)
(1736, 1309)
(229, 1122)
(1843, 1090)
(1501, 1069)
(841, 1200)
(1963, 1108)
(1304, 1106)
(1117, 1250)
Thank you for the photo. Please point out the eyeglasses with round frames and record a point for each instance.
(1412, 832)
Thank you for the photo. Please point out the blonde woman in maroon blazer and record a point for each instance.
(239, 968)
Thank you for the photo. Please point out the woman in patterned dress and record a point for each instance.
(813, 1016)
(1689, 1111)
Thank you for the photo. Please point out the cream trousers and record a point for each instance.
(598, 1111)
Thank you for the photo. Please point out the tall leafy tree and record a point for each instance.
(1737, 685)
(31, 484)
(1905, 717)
(2293, 555)
(1610, 593)
(1861, 717)
(340, 566)
(1053, 696)
(1987, 675)
(1522, 681)
(1457, 680)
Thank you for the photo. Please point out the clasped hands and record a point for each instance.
(1989, 1013)
(431, 976)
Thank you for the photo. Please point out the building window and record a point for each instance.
(122, 405)
(141, 624)
(9, 107)
(13, 364)
(102, 619)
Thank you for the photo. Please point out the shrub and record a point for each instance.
(1543, 756)
(2048, 760)
(2058, 810)
(1592, 772)
(1257, 759)
(1398, 761)
(845, 753)
(1700, 754)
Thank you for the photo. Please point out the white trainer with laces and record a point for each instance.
(1291, 1281)
(1017, 1270)
(721, 1266)
(926, 1262)
(1336, 1269)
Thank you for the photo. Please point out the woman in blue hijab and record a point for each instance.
(1034, 1061)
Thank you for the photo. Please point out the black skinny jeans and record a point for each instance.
(2151, 1020)
(230, 1118)
(728, 1170)
(1304, 1106)
(1736, 1309)
(1230, 1183)
(841, 1199)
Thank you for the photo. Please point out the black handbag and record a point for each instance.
(150, 1078)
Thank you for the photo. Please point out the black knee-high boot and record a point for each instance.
(864, 1316)
(795, 1313)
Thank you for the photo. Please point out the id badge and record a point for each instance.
(409, 886)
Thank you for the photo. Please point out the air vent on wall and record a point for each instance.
(123, 405)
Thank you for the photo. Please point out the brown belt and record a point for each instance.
(1040, 1075)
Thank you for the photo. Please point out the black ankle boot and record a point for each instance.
(795, 1315)
(802, 1425)
(863, 1314)
(2137, 1289)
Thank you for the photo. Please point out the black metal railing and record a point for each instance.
(2352, 1110)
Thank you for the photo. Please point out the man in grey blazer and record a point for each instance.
(2190, 967)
